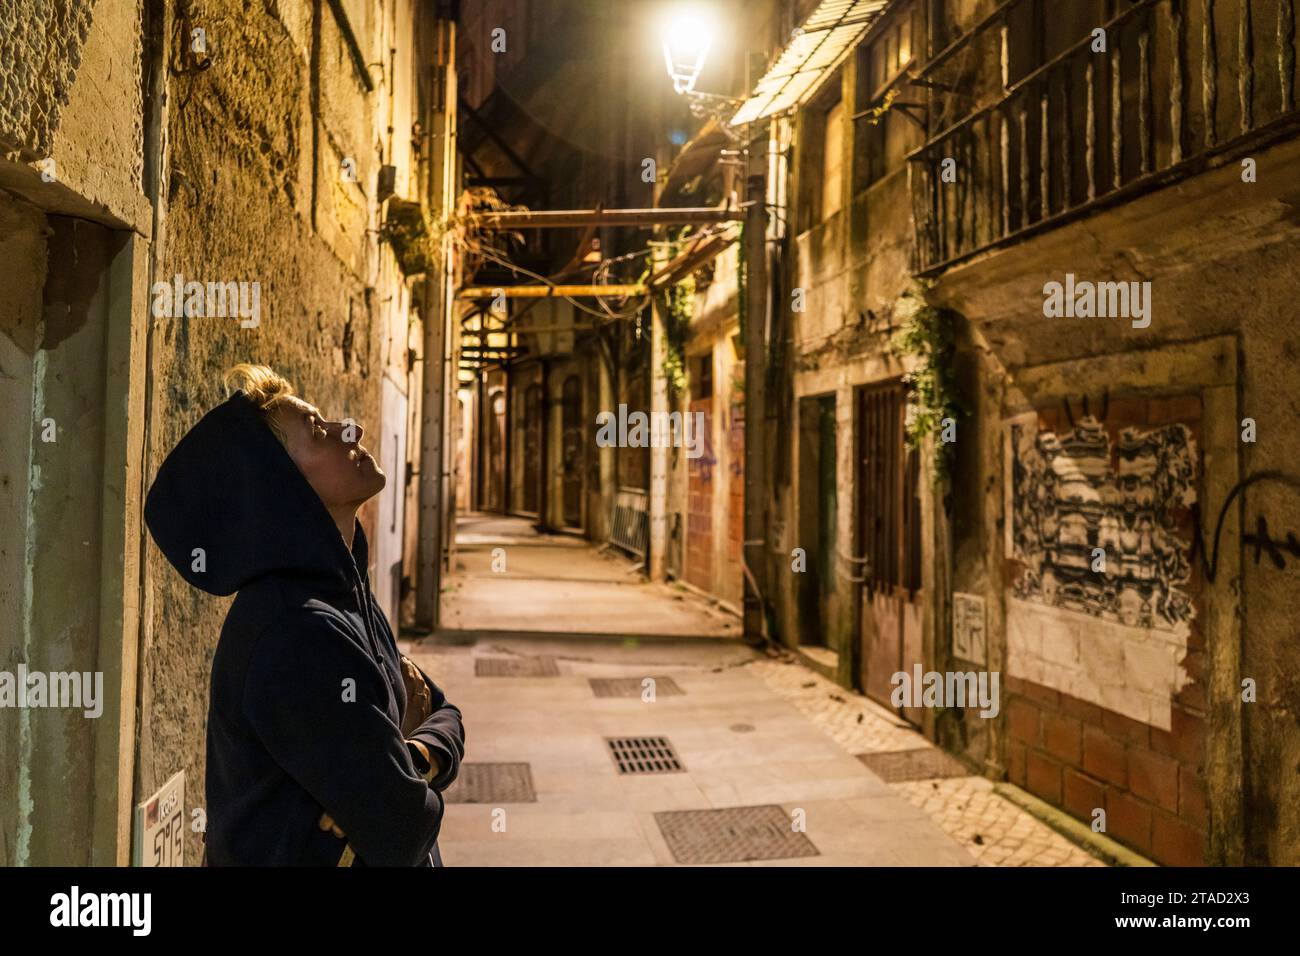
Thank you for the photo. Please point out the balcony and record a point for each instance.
(1182, 85)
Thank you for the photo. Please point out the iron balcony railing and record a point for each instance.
(1180, 81)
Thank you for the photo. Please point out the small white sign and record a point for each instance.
(968, 628)
(160, 826)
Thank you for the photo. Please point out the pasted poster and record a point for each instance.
(1077, 492)
(1111, 631)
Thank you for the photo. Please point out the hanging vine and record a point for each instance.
(677, 304)
(926, 342)
(742, 282)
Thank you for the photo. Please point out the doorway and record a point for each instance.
(573, 439)
(889, 537)
(818, 512)
(532, 450)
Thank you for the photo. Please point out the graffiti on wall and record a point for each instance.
(1261, 542)
(1079, 491)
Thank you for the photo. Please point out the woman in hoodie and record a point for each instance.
(324, 745)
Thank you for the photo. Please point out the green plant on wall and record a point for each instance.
(877, 112)
(926, 341)
(408, 230)
(742, 283)
(677, 304)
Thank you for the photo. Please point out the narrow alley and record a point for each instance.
(732, 755)
(509, 577)
(626, 433)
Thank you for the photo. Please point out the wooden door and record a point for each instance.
(889, 537)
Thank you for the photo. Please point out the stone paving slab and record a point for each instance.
(563, 585)
(587, 814)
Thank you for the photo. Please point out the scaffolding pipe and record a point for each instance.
(550, 291)
(575, 218)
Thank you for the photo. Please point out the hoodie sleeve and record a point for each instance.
(443, 732)
(319, 704)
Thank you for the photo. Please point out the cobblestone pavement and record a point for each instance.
(995, 831)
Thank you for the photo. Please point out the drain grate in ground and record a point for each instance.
(644, 755)
(632, 686)
(516, 667)
(924, 763)
(492, 783)
(732, 835)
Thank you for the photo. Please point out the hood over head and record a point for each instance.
(230, 488)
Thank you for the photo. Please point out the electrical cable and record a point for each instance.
(514, 267)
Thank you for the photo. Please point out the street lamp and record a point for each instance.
(686, 44)
(687, 39)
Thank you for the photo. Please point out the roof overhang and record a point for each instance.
(820, 45)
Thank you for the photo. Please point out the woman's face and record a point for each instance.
(329, 454)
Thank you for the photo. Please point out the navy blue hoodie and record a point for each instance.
(307, 696)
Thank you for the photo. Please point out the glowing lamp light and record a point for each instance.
(686, 44)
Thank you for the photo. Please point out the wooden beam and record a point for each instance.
(691, 258)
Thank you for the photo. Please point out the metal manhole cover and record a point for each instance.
(733, 835)
(492, 783)
(924, 763)
(644, 755)
(516, 667)
(632, 686)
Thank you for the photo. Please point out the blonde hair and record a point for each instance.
(264, 387)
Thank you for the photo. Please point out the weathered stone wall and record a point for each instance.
(1160, 736)
(266, 124)
(1220, 256)
(258, 193)
(72, 92)
(71, 145)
